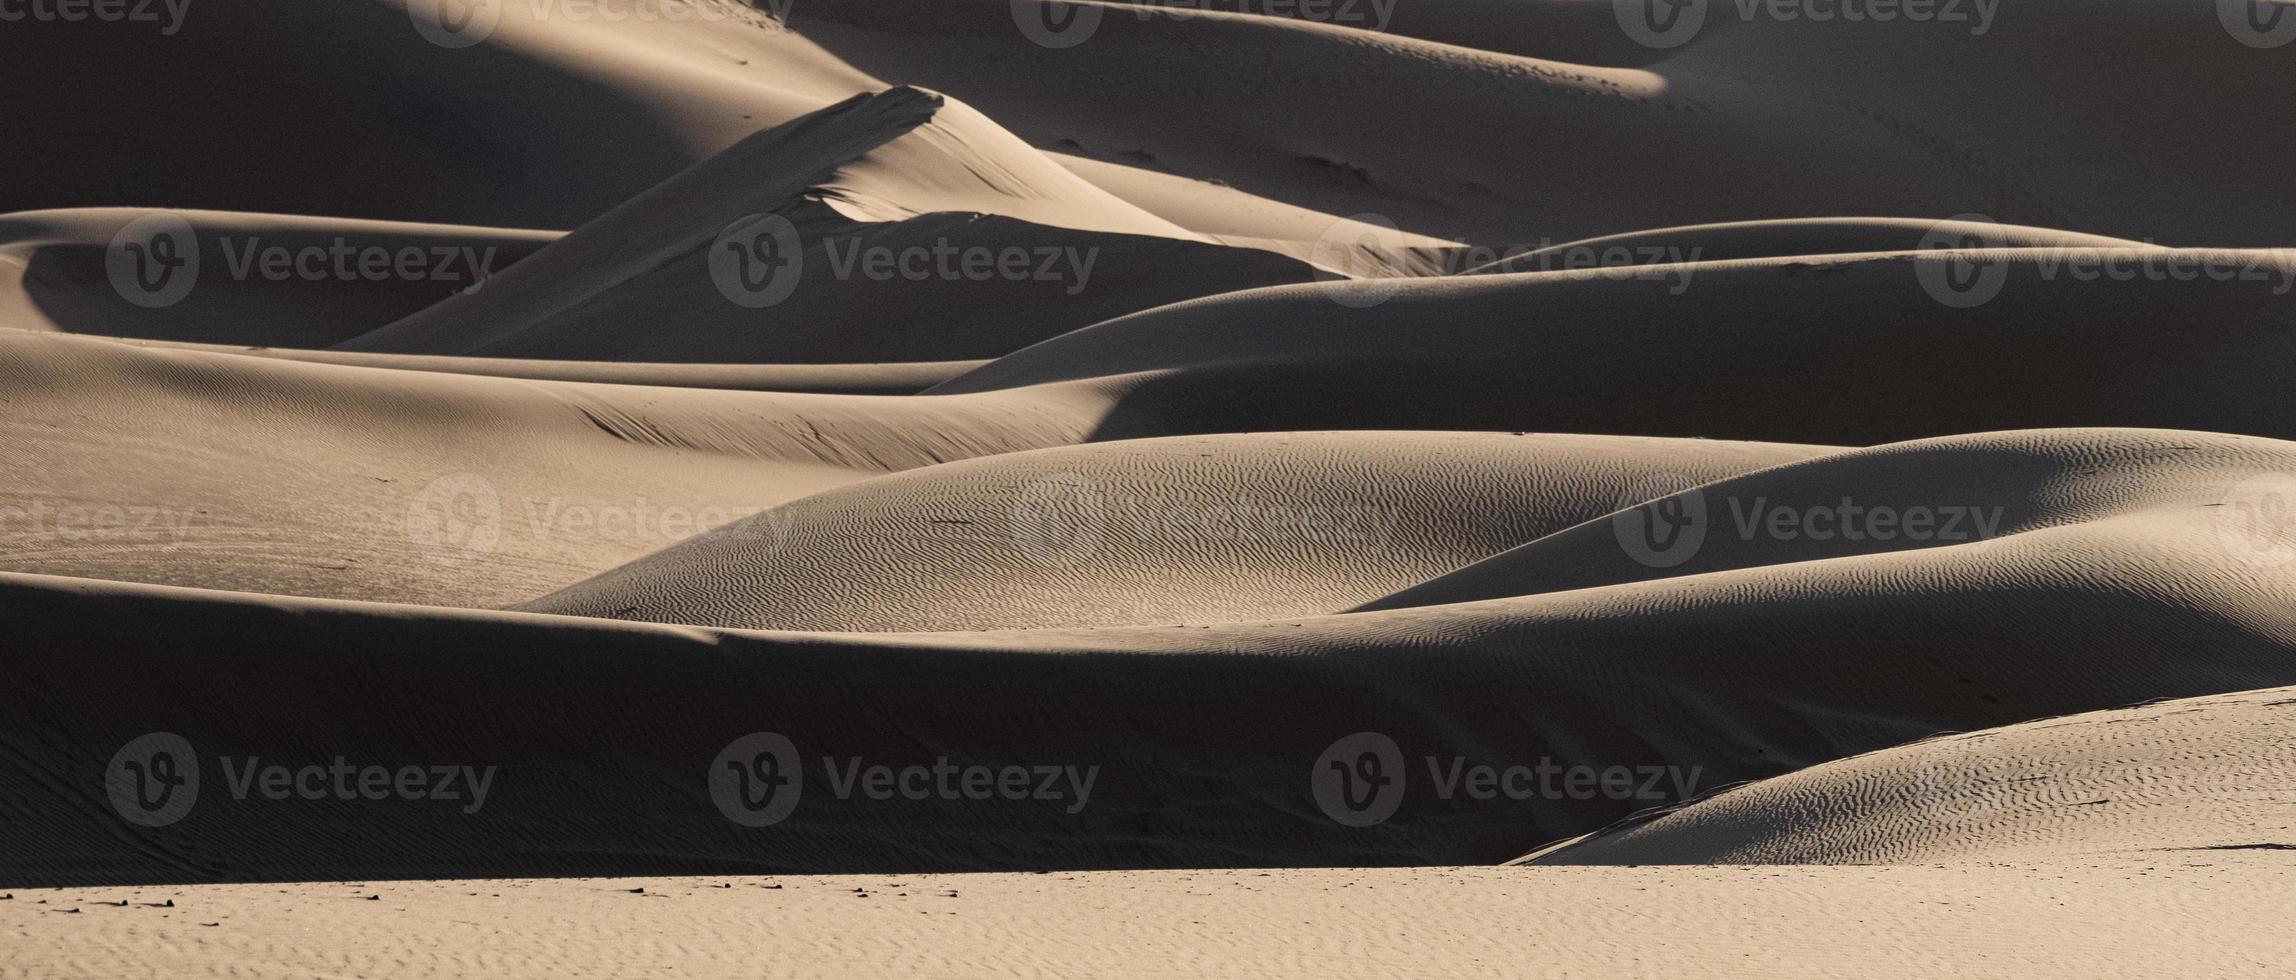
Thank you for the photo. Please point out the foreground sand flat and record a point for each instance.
(2190, 914)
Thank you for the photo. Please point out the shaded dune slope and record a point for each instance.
(1207, 737)
(1736, 350)
(1980, 493)
(2175, 779)
(410, 130)
(1195, 530)
(1747, 120)
(264, 279)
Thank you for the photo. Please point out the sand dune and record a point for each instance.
(958, 241)
(2141, 590)
(134, 463)
(1748, 119)
(404, 127)
(2197, 778)
(1867, 336)
(1147, 531)
(222, 278)
(2000, 497)
(1794, 492)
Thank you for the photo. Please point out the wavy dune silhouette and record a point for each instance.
(1448, 489)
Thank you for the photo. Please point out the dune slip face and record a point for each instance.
(1147, 487)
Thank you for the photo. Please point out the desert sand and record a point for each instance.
(1055, 487)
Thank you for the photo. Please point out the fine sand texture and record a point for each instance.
(1124, 488)
(2163, 915)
